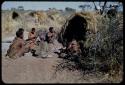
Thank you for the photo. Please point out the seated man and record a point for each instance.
(32, 40)
(18, 47)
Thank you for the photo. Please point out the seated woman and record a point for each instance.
(71, 51)
(42, 49)
(74, 47)
(50, 36)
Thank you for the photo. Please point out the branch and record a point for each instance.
(100, 4)
(95, 5)
(103, 7)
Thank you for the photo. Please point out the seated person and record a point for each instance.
(32, 40)
(50, 36)
(73, 47)
(18, 47)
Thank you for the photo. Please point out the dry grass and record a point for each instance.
(40, 20)
(103, 48)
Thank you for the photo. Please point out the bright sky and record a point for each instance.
(43, 5)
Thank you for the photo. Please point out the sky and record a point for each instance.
(43, 5)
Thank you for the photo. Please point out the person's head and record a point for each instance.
(33, 30)
(19, 34)
(51, 29)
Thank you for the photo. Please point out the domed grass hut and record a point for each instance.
(76, 27)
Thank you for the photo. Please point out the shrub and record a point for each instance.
(102, 51)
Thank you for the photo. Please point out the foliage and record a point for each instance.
(102, 51)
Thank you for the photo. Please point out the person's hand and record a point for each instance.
(27, 45)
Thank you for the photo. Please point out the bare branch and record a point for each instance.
(95, 5)
(103, 7)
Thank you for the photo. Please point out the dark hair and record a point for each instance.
(19, 33)
(33, 29)
(20, 29)
(50, 28)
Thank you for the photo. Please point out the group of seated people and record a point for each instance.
(19, 46)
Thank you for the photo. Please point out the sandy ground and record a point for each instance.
(29, 69)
